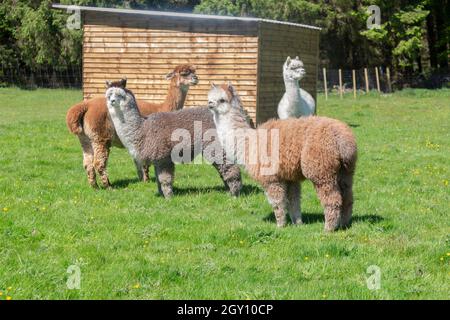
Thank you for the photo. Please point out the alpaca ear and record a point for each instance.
(108, 84)
(170, 75)
(297, 58)
(213, 85)
(288, 61)
(123, 82)
(231, 88)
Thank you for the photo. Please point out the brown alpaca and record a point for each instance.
(90, 121)
(319, 149)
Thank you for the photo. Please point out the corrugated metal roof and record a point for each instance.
(179, 15)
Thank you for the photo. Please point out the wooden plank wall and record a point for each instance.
(144, 51)
(276, 43)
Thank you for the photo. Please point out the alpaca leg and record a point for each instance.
(142, 170)
(293, 194)
(101, 154)
(139, 169)
(345, 184)
(164, 175)
(331, 199)
(88, 160)
(145, 168)
(277, 195)
(231, 177)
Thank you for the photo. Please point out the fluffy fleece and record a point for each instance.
(150, 139)
(89, 120)
(319, 149)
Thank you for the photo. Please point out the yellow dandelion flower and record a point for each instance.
(1, 293)
(8, 298)
(241, 242)
(441, 258)
(324, 296)
(9, 288)
(137, 286)
(5, 209)
(448, 254)
(306, 258)
(327, 256)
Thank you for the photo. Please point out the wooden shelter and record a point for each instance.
(145, 45)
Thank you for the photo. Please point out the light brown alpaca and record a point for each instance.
(90, 121)
(319, 149)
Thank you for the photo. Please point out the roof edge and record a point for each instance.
(178, 14)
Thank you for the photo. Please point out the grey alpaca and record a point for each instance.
(149, 139)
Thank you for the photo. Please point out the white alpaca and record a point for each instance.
(296, 102)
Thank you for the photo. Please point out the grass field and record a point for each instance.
(130, 243)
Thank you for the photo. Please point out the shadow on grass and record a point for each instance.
(246, 190)
(124, 183)
(310, 218)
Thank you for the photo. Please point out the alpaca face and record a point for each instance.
(116, 98)
(293, 69)
(219, 100)
(184, 76)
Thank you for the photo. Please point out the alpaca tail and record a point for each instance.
(348, 151)
(74, 117)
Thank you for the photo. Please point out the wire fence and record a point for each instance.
(376, 78)
(71, 76)
(63, 77)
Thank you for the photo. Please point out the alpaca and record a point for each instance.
(319, 149)
(89, 120)
(296, 102)
(151, 139)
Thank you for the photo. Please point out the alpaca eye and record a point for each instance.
(222, 101)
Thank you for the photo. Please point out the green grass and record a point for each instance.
(131, 243)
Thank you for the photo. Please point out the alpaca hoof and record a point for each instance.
(168, 195)
(94, 185)
(235, 194)
(330, 228)
(281, 224)
(298, 223)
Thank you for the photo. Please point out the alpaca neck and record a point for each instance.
(292, 87)
(176, 96)
(128, 122)
(233, 130)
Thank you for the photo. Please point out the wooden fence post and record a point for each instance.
(354, 83)
(378, 79)
(340, 84)
(366, 76)
(388, 75)
(325, 83)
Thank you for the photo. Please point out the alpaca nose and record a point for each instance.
(211, 104)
